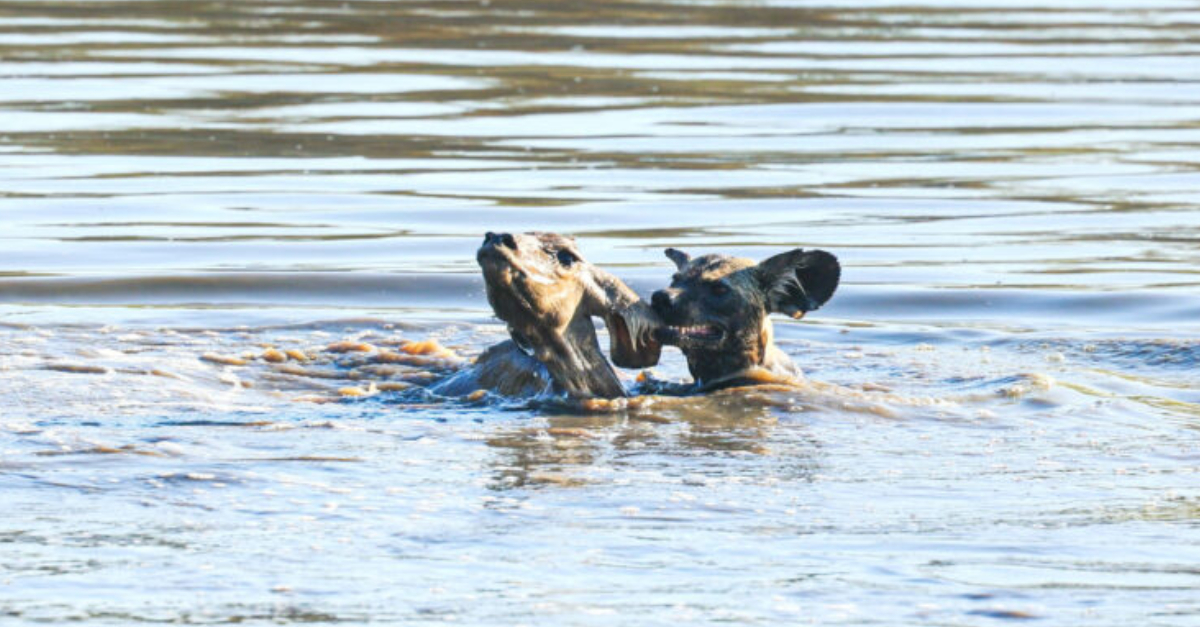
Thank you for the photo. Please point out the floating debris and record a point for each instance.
(349, 347)
(225, 360)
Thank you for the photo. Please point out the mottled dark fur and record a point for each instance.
(716, 309)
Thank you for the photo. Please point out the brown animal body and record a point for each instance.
(540, 285)
(716, 309)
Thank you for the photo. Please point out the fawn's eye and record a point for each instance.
(718, 289)
(566, 257)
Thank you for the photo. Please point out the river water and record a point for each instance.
(1003, 424)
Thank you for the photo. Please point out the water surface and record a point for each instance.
(1011, 187)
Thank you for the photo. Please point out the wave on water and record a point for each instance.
(427, 294)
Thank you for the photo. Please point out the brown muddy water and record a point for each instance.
(1002, 424)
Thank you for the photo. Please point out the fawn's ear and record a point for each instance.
(680, 258)
(798, 281)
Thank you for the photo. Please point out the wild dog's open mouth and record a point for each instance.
(694, 333)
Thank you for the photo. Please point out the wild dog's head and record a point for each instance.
(543, 288)
(716, 307)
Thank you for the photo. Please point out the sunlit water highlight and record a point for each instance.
(1001, 423)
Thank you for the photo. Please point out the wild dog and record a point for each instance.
(716, 309)
(541, 286)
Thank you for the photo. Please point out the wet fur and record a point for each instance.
(540, 285)
(735, 296)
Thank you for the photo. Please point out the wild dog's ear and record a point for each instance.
(798, 281)
(680, 258)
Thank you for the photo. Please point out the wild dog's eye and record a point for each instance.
(718, 289)
(566, 257)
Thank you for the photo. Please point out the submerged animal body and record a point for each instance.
(547, 293)
(541, 286)
(716, 311)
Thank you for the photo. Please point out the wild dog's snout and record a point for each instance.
(662, 301)
(500, 239)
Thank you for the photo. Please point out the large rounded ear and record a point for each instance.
(680, 258)
(798, 280)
